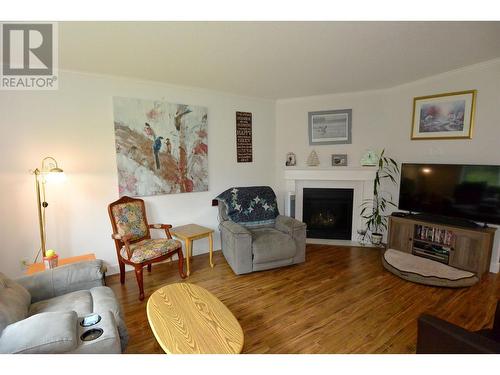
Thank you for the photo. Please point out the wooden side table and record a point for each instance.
(190, 232)
(39, 267)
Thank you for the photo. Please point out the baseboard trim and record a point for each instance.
(495, 267)
(319, 241)
(113, 269)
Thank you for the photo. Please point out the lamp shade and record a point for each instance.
(55, 175)
(51, 172)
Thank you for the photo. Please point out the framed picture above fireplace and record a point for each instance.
(330, 127)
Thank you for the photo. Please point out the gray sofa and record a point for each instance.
(261, 248)
(42, 313)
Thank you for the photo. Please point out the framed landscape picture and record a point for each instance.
(444, 116)
(330, 127)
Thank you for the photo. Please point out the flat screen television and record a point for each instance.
(470, 192)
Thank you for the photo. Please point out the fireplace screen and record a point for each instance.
(328, 213)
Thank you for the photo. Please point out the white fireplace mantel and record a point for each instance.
(334, 173)
(359, 179)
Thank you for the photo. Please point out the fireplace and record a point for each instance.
(328, 212)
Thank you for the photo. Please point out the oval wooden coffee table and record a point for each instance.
(188, 319)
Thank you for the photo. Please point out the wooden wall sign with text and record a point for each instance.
(244, 137)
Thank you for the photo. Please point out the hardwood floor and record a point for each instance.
(340, 301)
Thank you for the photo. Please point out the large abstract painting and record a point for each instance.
(161, 147)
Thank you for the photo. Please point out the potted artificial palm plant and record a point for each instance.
(374, 210)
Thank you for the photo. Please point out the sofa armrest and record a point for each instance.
(297, 230)
(235, 228)
(437, 336)
(496, 323)
(64, 279)
(289, 225)
(237, 246)
(104, 300)
(49, 333)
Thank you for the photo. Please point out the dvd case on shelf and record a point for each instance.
(433, 234)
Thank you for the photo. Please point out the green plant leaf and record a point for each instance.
(374, 210)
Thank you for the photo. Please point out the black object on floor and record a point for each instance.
(437, 336)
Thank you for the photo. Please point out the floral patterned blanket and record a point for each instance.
(252, 205)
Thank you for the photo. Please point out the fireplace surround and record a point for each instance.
(359, 180)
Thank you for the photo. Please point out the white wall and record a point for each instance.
(382, 119)
(75, 125)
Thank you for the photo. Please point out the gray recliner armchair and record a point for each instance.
(43, 313)
(262, 239)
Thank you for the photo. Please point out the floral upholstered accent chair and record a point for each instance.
(133, 242)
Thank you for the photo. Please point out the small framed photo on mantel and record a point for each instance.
(330, 127)
(444, 116)
(339, 160)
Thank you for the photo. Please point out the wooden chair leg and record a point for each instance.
(140, 281)
(150, 266)
(181, 263)
(122, 271)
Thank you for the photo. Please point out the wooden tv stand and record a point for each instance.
(464, 248)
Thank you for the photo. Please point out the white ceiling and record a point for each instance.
(277, 59)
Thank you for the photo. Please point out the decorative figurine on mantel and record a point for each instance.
(291, 160)
(369, 159)
(313, 160)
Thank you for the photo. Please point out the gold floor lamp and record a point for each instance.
(49, 171)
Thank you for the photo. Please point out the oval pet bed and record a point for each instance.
(425, 271)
